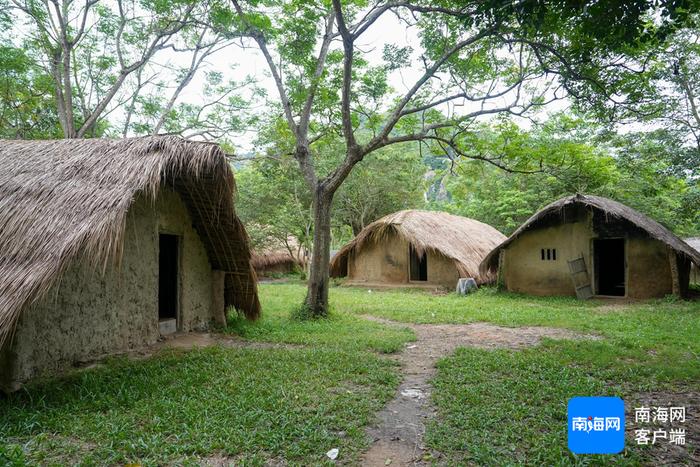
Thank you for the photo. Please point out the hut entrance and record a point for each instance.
(418, 265)
(168, 275)
(609, 257)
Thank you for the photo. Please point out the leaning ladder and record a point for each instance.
(579, 274)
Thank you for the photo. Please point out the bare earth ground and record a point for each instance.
(397, 438)
(662, 452)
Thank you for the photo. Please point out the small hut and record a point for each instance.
(694, 242)
(109, 244)
(279, 259)
(268, 263)
(417, 248)
(588, 245)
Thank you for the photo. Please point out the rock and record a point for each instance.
(413, 393)
(466, 285)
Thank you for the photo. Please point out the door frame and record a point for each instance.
(408, 266)
(180, 241)
(594, 263)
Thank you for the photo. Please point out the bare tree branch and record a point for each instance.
(395, 115)
(259, 38)
(348, 57)
(200, 53)
(320, 66)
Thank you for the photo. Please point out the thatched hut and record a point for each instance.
(108, 244)
(694, 242)
(268, 263)
(417, 248)
(588, 245)
(279, 258)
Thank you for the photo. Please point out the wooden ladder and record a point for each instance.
(579, 275)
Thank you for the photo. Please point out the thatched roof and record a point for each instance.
(612, 210)
(277, 253)
(269, 259)
(61, 201)
(465, 241)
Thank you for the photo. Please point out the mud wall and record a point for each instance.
(524, 269)
(382, 262)
(279, 268)
(196, 273)
(442, 271)
(88, 315)
(386, 262)
(648, 270)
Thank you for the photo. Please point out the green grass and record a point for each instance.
(292, 403)
(503, 406)
(659, 334)
(256, 404)
(495, 405)
(341, 330)
(511, 405)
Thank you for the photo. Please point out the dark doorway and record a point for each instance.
(168, 268)
(419, 265)
(609, 257)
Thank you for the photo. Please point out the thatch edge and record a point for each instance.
(175, 162)
(273, 258)
(386, 225)
(612, 208)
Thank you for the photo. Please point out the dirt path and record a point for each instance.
(398, 435)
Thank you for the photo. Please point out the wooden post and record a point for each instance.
(675, 276)
(500, 275)
(684, 265)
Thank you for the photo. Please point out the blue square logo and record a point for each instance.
(596, 425)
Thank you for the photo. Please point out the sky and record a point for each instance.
(237, 63)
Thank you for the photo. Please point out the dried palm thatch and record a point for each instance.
(278, 253)
(62, 201)
(465, 241)
(611, 210)
(271, 259)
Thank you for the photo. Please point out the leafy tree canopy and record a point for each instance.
(640, 170)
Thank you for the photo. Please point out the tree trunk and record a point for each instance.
(317, 294)
(69, 130)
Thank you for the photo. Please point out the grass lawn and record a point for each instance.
(297, 402)
(342, 330)
(504, 404)
(510, 406)
(253, 405)
(658, 338)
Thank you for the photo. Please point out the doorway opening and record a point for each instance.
(168, 276)
(418, 265)
(609, 258)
